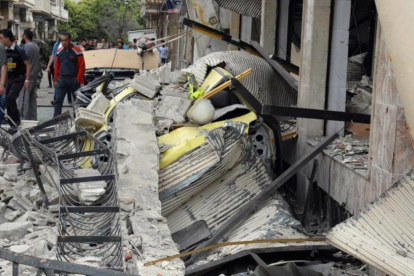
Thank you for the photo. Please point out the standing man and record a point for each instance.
(163, 52)
(27, 101)
(3, 61)
(18, 73)
(121, 40)
(69, 70)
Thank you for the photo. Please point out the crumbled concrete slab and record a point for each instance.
(89, 119)
(146, 85)
(178, 77)
(12, 172)
(21, 203)
(89, 192)
(99, 103)
(11, 215)
(174, 90)
(174, 108)
(14, 230)
(136, 143)
(22, 248)
(6, 193)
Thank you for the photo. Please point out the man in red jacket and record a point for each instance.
(69, 70)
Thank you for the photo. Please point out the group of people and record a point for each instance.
(20, 66)
(93, 44)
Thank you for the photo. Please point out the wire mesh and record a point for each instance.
(58, 143)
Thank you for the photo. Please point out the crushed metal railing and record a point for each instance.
(84, 230)
(52, 267)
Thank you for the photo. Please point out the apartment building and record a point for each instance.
(42, 16)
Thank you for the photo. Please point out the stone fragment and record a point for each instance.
(146, 85)
(14, 230)
(19, 202)
(89, 192)
(38, 249)
(164, 73)
(48, 234)
(39, 219)
(174, 108)
(90, 261)
(99, 103)
(178, 77)
(21, 249)
(89, 119)
(11, 215)
(12, 172)
(6, 193)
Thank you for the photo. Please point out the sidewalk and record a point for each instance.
(44, 97)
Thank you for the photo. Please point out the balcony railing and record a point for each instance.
(55, 10)
(24, 3)
(42, 7)
(64, 14)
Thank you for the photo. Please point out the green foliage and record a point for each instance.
(101, 18)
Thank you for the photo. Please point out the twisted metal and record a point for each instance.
(57, 142)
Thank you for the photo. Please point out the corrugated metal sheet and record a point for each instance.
(273, 220)
(266, 85)
(194, 171)
(222, 198)
(382, 235)
(252, 8)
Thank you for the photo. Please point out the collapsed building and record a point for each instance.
(296, 158)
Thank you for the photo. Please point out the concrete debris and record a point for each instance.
(163, 126)
(21, 203)
(40, 219)
(6, 193)
(11, 215)
(90, 261)
(89, 192)
(28, 124)
(99, 103)
(89, 119)
(146, 85)
(136, 143)
(348, 150)
(162, 74)
(174, 90)
(178, 77)
(12, 172)
(174, 108)
(361, 102)
(14, 230)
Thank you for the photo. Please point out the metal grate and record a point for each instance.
(85, 229)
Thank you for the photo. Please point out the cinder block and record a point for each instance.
(89, 119)
(99, 103)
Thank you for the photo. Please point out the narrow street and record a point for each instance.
(44, 98)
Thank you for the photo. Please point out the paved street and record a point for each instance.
(44, 97)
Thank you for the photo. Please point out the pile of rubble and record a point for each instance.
(26, 226)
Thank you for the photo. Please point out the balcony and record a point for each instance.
(151, 7)
(55, 10)
(64, 15)
(24, 3)
(42, 7)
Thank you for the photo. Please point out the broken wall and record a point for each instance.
(391, 150)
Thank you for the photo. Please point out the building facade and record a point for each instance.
(41, 16)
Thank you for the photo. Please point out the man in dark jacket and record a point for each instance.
(69, 70)
(18, 75)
